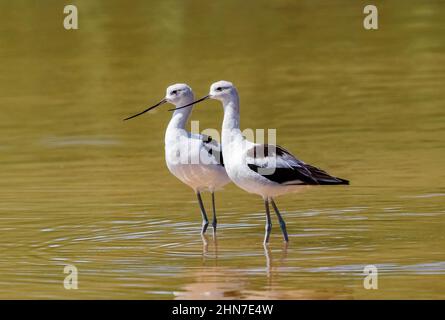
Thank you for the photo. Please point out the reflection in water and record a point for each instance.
(214, 282)
(268, 255)
(205, 245)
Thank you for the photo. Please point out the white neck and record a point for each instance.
(231, 122)
(180, 117)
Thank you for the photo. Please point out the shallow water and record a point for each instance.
(81, 187)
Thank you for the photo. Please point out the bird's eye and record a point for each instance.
(219, 89)
(174, 92)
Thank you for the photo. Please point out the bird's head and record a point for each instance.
(178, 94)
(222, 90)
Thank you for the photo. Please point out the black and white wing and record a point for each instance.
(213, 149)
(279, 165)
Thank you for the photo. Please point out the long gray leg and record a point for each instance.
(268, 222)
(280, 220)
(214, 221)
(205, 221)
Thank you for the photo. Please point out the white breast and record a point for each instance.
(190, 162)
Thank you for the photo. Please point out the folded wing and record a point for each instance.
(213, 149)
(278, 165)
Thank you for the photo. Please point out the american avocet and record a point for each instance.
(194, 159)
(263, 169)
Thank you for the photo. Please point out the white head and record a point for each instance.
(223, 91)
(178, 94)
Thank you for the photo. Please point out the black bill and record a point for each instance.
(146, 110)
(190, 104)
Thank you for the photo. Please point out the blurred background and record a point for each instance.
(79, 186)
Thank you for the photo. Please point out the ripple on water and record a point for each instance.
(67, 141)
(427, 195)
(357, 269)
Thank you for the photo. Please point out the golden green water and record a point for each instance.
(80, 187)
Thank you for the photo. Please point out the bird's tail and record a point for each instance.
(343, 181)
(333, 181)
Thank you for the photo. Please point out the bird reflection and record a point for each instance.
(205, 248)
(213, 281)
(269, 259)
(205, 245)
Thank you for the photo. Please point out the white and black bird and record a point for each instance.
(193, 158)
(263, 169)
